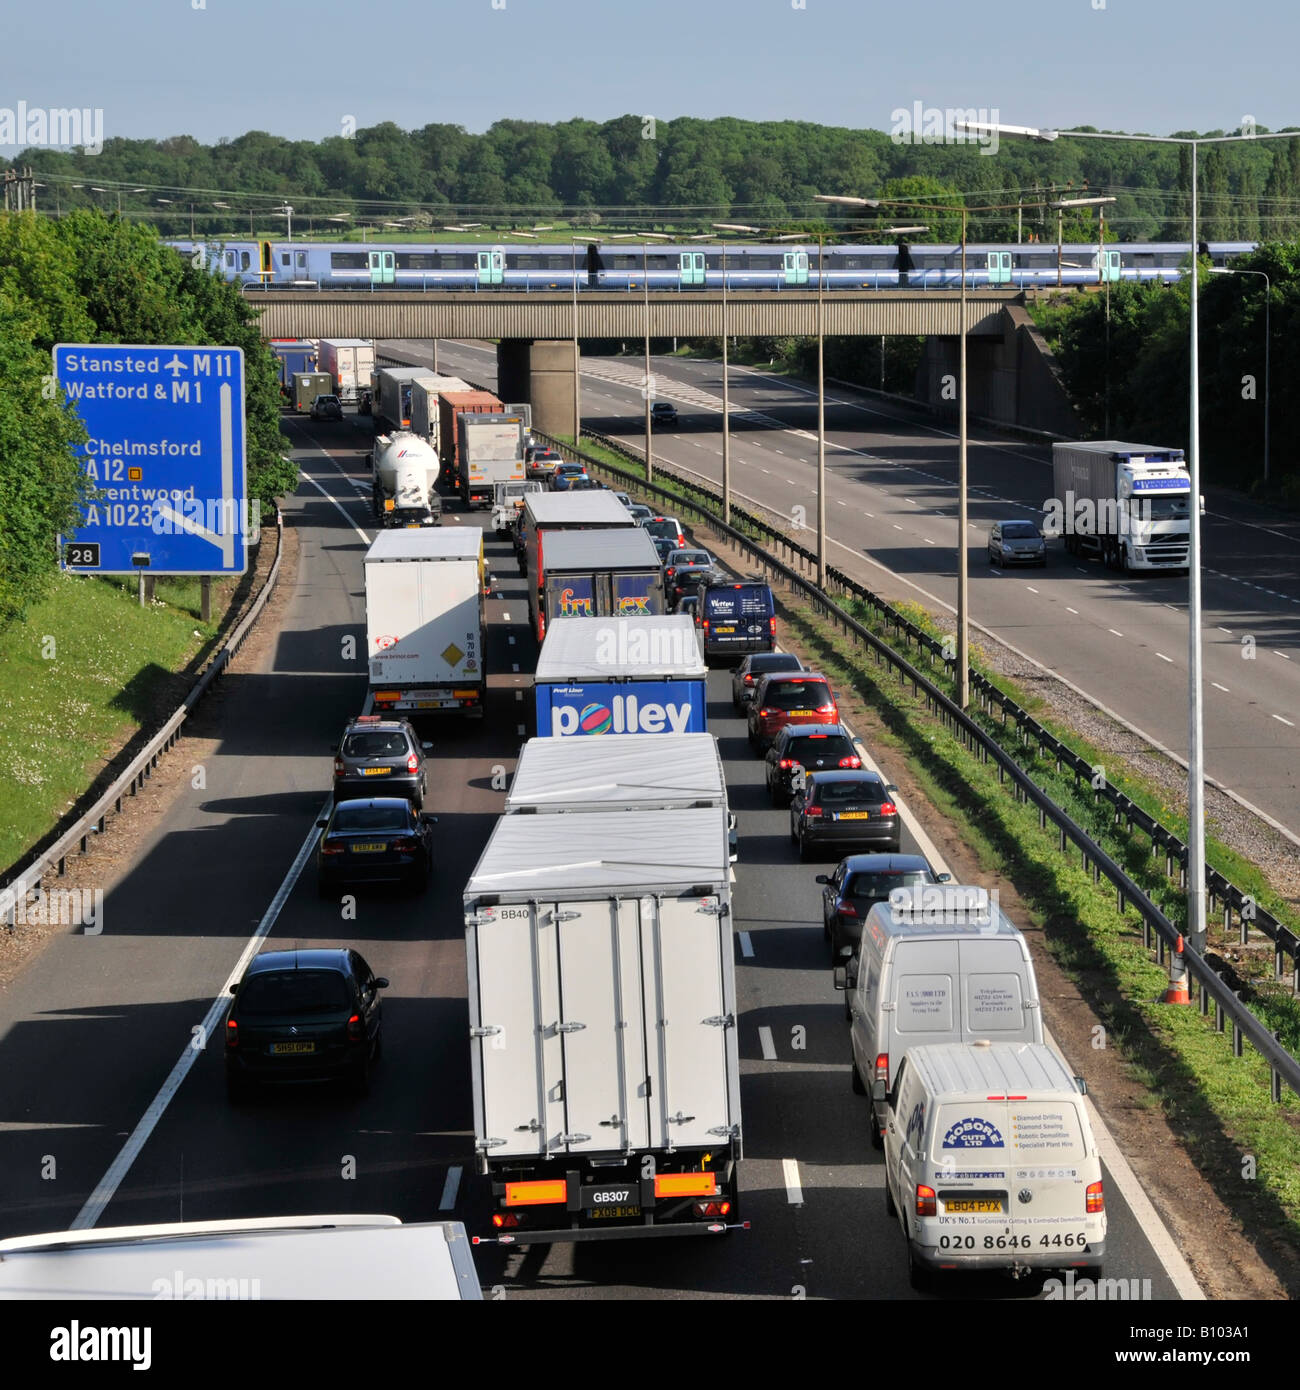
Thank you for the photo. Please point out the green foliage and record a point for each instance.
(89, 278)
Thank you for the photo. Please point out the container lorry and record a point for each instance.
(491, 450)
(307, 386)
(621, 676)
(391, 403)
(597, 574)
(451, 405)
(349, 361)
(424, 621)
(426, 418)
(403, 474)
(602, 1003)
(292, 355)
(1130, 503)
(548, 512)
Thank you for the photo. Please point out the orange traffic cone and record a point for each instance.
(1177, 991)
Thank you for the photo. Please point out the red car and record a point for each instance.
(784, 698)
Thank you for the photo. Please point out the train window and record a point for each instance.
(417, 260)
(348, 260)
(230, 260)
(524, 261)
(284, 258)
(245, 260)
(301, 257)
(760, 262)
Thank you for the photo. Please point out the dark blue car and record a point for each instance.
(381, 839)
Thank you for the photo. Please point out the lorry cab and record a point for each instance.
(991, 1163)
(937, 963)
(508, 503)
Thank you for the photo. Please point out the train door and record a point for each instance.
(1109, 267)
(691, 268)
(794, 267)
(300, 266)
(492, 266)
(999, 267)
(383, 267)
(266, 262)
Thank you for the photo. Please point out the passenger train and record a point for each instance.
(335, 265)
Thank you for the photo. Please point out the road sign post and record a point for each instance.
(166, 458)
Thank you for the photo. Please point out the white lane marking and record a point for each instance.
(519, 694)
(515, 665)
(1116, 632)
(1283, 655)
(505, 617)
(1075, 611)
(927, 539)
(872, 515)
(450, 1188)
(838, 503)
(1287, 722)
(768, 470)
(1161, 655)
(307, 478)
(1228, 630)
(746, 945)
(1030, 587)
(769, 1047)
(211, 1032)
(1224, 688)
(511, 640)
(793, 1188)
(897, 527)
(519, 728)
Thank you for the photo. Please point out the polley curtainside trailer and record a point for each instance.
(602, 1000)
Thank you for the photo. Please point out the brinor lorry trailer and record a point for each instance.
(602, 1004)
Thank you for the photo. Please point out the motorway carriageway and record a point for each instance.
(891, 518)
(115, 1110)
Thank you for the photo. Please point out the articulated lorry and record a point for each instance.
(451, 406)
(403, 475)
(602, 1001)
(424, 621)
(1130, 503)
(549, 512)
(391, 406)
(597, 574)
(426, 409)
(349, 361)
(490, 447)
(641, 675)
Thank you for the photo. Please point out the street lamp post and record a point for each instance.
(726, 403)
(1268, 340)
(1196, 892)
(577, 417)
(649, 388)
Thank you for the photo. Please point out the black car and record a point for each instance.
(684, 570)
(304, 1016)
(326, 408)
(665, 545)
(745, 679)
(663, 413)
(381, 839)
(380, 757)
(835, 809)
(859, 882)
(801, 748)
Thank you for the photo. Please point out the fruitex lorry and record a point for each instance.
(597, 574)
(602, 1002)
(549, 512)
(1131, 503)
(641, 675)
(424, 620)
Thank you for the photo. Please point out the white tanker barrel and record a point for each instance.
(405, 469)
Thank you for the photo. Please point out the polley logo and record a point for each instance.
(52, 127)
(935, 125)
(77, 1343)
(625, 714)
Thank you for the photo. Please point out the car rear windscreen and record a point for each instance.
(371, 818)
(850, 793)
(876, 887)
(787, 695)
(824, 746)
(375, 745)
(294, 992)
(972, 1133)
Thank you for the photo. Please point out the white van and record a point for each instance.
(990, 1162)
(940, 963)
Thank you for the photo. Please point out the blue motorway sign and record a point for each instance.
(166, 458)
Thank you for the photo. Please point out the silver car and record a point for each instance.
(1016, 543)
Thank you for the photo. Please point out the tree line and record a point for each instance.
(86, 278)
(682, 172)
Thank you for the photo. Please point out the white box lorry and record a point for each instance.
(1130, 503)
(426, 409)
(491, 452)
(424, 621)
(349, 362)
(602, 1002)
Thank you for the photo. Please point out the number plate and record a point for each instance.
(979, 1204)
(796, 713)
(377, 771)
(369, 847)
(853, 815)
(728, 629)
(612, 1213)
(288, 1049)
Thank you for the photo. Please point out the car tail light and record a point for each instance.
(232, 1040)
(339, 767)
(846, 908)
(502, 1219)
(786, 763)
(406, 842)
(813, 812)
(1096, 1198)
(749, 680)
(926, 1205)
(827, 709)
(771, 626)
(882, 1067)
(355, 1031)
(851, 761)
(887, 808)
(413, 763)
(329, 847)
(712, 1208)
(767, 713)
(705, 625)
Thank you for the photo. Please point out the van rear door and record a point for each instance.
(998, 999)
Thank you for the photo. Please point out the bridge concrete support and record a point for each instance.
(1014, 378)
(543, 374)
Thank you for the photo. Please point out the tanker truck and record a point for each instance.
(403, 471)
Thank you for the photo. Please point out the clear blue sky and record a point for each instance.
(164, 68)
